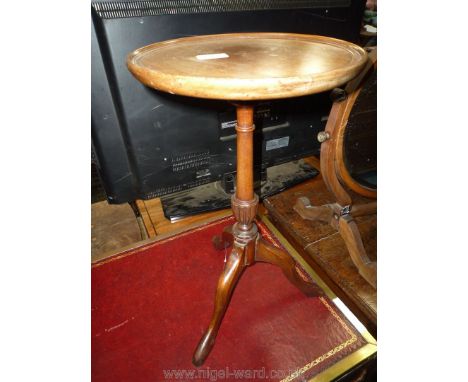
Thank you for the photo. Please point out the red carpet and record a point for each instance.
(151, 305)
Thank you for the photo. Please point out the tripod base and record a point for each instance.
(247, 246)
(245, 251)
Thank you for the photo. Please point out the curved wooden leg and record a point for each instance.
(348, 230)
(224, 240)
(352, 238)
(268, 253)
(226, 283)
(325, 212)
(306, 210)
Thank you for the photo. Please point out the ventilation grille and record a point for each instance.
(114, 10)
(171, 189)
(190, 160)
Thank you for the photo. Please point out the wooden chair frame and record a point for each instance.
(337, 177)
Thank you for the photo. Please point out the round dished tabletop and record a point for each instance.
(247, 66)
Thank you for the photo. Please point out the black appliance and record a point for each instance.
(148, 144)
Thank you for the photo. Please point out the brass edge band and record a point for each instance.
(345, 364)
(354, 358)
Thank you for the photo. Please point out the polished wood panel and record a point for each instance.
(324, 248)
(247, 66)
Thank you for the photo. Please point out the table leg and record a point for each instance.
(243, 236)
(226, 283)
(348, 229)
(267, 253)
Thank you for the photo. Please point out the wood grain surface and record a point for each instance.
(324, 249)
(247, 66)
(113, 226)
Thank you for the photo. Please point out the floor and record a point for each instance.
(113, 226)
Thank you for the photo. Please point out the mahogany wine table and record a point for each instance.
(244, 68)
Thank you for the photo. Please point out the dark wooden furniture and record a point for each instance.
(243, 68)
(338, 179)
(323, 248)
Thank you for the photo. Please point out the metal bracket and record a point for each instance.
(323, 136)
(346, 210)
